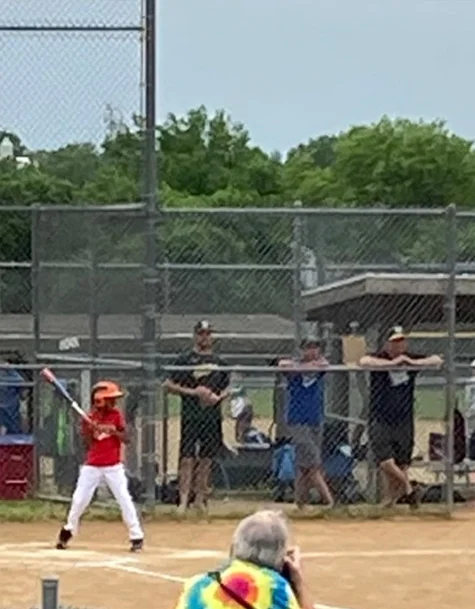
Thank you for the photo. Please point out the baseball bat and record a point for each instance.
(49, 377)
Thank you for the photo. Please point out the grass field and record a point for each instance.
(430, 403)
(429, 417)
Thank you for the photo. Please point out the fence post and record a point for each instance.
(93, 284)
(297, 285)
(320, 251)
(49, 593)
(35, 279)
(85, 389)
(164, 417)
(167, 286)
(450, 368)
(151, 321)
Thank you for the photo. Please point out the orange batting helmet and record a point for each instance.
(105, 391)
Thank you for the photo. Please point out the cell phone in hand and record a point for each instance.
(286, 573)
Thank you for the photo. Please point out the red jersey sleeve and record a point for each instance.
(119, 421)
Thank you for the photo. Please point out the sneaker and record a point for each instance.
(182, 509)
(63, 539)
(414, 498)
(136, 545)
(201, 508)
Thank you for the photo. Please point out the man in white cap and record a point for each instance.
(391, 417)
(202, 388)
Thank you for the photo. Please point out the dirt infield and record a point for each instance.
(367, 565)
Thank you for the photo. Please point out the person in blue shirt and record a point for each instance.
(305, 418)
(11, 389)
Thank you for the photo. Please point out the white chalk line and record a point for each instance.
(397, 552)
(46, 550)
(148, 573)
(181, 580)
(44, 553)
(408, 552)
(119, 563)
(20, 550)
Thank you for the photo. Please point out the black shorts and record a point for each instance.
(201, 437)
(389, 441)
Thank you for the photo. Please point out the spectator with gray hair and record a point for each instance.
(263, 571)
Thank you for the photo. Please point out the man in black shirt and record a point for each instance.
(391, 414)
(202, 390)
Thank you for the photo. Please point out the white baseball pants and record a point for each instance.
(90, 478)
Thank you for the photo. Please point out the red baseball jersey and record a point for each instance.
(105, 452)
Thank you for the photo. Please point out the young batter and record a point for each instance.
(104, 438)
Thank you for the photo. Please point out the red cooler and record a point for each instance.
(17, 459)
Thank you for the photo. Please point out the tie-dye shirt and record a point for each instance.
(262, 588)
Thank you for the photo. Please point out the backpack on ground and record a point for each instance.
(283, 469)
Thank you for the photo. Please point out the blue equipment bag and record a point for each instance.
(283, 464)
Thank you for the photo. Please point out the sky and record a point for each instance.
(288, 70)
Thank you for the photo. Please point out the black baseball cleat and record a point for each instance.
(63, 539)
(136, 545)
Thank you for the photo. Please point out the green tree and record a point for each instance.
(320, 150)
(75, 163)
(208, 160)
(404, 164)
(202, 155)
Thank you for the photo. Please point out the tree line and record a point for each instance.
(208, 160)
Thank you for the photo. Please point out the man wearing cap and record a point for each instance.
(391, 412)
(305, 418)
(202, 389)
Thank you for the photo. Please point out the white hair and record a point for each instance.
(262, 539)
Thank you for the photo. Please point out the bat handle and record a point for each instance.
(81, 412)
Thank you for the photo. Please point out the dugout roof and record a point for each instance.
(385, 299)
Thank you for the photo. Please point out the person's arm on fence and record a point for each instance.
(372, 361)
(290, 365)
(424, 361)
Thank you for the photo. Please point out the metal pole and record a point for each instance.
(85, 388)
(450, 368)
(165, 418)
(36, 314)
(167, 287)
(35, 277)
(49, 593)
(297, 286)
(320, 250)
(150, 275)
(93, 282)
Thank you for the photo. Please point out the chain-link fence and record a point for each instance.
(347, 276)
(72, 287)
(69, 73)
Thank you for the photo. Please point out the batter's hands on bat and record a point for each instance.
(102, 431)
(108, 429)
